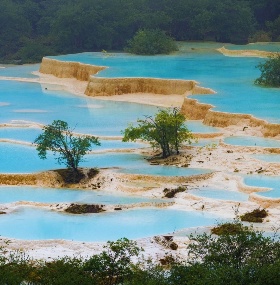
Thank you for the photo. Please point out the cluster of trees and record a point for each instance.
(165, 131)
(270, 72)
(242, 257)
(31, 29)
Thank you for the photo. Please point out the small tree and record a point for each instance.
(150, 42)
(59, 139)
(166, 131)
(270, 72)
(114, 263)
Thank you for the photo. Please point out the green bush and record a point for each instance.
(270, 72)
(151, 42)
(256, 216)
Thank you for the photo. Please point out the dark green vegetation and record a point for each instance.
(243, 257)
(256, 216)
(84, 209)
(68, 148)
(270, 72)
(166, 131)
(31, 29)
(150, 42)
(170, 193)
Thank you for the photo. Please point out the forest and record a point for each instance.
(31, 29)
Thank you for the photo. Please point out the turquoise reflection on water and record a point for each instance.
(231, 77)
(268, 157)
(29, 135)
(275, 46)
(24, 159)
(267, 182)
(20, 71)
(252, 141)
(219, 194)
(198, 127)
(38, 224)
(28, 102)
(9, 194)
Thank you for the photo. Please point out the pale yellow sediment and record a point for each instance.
(67, 69)
(246, 53)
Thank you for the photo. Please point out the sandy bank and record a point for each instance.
(246, 53)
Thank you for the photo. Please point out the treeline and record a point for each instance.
(31, 29)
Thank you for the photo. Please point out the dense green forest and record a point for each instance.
(31, 29)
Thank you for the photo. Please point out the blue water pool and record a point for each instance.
(24, 159)
(17, 158)
(274, 158)
(37, 224)
(20, 71)
(275, 46)
(220, 194)
(272, 182)
(9, 194)
(252, 141)
(231, 77)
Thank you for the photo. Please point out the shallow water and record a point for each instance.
(16, 158)
(231, 77)
(252, 141)
(267, 182)
(274, 158)
(37, 224)
(274, 47)
(220, 194)
(9, 194)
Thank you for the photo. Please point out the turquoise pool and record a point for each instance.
(37, 224)
(252, 141)
(220, 194)
(274, 158)
(9, 194)
(272, 182)
(231, 77)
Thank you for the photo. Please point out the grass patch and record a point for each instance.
(170, 193)
(228, 229)
(256, 216)
(84, 209)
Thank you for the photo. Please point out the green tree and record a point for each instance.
(150, 42)
(270, 72)
(60, 139)
(166, 131)
(114, 263)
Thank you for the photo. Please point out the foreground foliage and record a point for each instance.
(270, 72)
(166, 131)
(151, 42)
(68, 148)
(241, 257)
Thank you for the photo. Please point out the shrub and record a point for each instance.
(256, 216)
(270, 72)
(151, 42)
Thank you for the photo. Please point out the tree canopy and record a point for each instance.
(68, 148)
(31, 29)
(166, 131)
(270, 72)
(150, 42)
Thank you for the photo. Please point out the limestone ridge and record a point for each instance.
(67, 69)
(191, 108)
